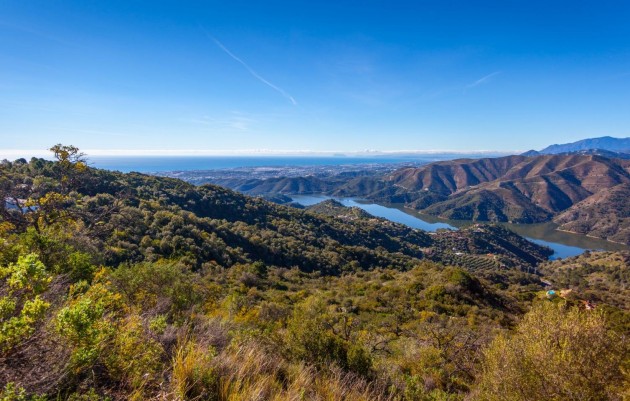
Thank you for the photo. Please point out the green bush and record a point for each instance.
(91, 395)
(12, 392)
(311, 338)
(435, 293)
(28, 274)
(87, 322)
(194, 376)
(132, 358)
(359, 360)
(80, 266)
(25, 280)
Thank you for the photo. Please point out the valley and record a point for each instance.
(511, 189)
(563, 244)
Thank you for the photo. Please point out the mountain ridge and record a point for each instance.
(526, 190)
(602, 144)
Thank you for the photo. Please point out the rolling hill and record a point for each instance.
(209, 224)
(604, 215)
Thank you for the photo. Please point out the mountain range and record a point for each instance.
(605, 146)
(565, 188)
(518, 189)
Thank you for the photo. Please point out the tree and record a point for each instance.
(68, 155)
(71, 164)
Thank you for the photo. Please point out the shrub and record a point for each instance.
(91, 395)
(310, 338)
(132, 358)
(28, 274)
(158, 324)
(18, 328)
(146, 283)
(359, 360)
(12, 392)
(80, 266)
(555, 353)
(435, 293)
(22, 308)
(87, 322)
(463, 279)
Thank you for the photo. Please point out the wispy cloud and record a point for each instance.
(30, 31)
(483, 80)
(251, 70)
(235, 121)
(96, 132)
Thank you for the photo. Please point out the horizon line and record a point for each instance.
(22, 153)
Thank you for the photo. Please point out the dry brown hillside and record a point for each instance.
(515, 188)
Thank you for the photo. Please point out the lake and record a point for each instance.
(563, 244)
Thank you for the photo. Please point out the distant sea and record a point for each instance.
(148, 164)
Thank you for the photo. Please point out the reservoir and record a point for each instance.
(563, 244)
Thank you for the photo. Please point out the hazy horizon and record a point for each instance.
(7, 153)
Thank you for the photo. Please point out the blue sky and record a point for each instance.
(234, 76)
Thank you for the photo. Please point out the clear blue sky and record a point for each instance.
(312, 75)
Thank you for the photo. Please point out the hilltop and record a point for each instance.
(606, 214)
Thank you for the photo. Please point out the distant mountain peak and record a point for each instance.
(604, 143)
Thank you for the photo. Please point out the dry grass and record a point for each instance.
(193, 375)
(250, 373)
(247, 372)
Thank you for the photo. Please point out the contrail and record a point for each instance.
(482, 80)
(254, 73)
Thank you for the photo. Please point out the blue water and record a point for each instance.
(389, 213)
(148, 164)
(564, 249)
(559, 250)
(145, 164)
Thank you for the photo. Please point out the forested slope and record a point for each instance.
(126, 286)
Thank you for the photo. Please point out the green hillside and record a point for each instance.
(131, 287)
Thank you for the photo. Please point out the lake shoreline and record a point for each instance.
(562, 243)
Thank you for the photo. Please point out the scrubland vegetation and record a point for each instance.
(124, 286)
